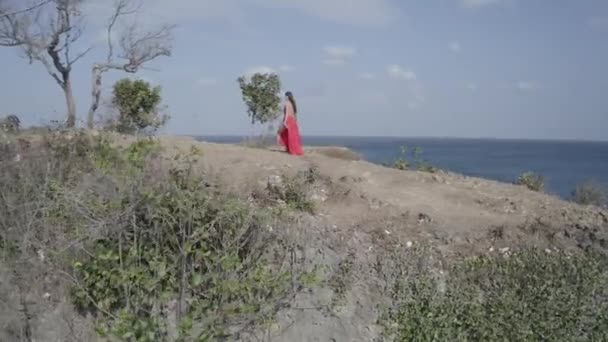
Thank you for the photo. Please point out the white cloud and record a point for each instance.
(479, 3)
(398, 72)
(266, 69)
(337, 55)
(367, 76)
(262, 69)
(334, 62)
(340, 51)
(528, 86)
(206, 81)
(455, 46)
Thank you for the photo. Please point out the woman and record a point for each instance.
(289, 134)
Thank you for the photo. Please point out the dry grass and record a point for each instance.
(342, 153)
(150, 247)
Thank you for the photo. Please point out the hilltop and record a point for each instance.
(354, 228)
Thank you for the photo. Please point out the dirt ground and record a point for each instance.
(366, 210)
(364, 214)
(442, 206)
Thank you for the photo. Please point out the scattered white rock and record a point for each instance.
(41, 255)
(17, 158)
(274, 180)
(319, 196)
(46, 295)
(504, 250)
(409, 244)
(387, 232)
(491, 249)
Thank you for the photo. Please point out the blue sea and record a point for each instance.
(563, 164)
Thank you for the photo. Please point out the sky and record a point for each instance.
(435, 68)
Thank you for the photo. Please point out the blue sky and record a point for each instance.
(458, 68)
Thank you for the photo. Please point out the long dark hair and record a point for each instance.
(293, 101)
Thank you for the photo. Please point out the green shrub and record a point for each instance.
(410, 160)
(532, 181)
(138, 105)
(293, 192)
(149, 248)
(531, 295)
(590, 193)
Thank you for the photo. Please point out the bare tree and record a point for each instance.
(46, 33)
(136, 49)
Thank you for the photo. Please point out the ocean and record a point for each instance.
(563, 164)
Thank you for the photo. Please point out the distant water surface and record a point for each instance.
(564, 164)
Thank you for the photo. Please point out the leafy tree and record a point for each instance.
(261, 95)
(138, 106)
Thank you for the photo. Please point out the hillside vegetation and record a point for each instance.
(114, 237)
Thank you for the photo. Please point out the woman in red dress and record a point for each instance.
(289, 134)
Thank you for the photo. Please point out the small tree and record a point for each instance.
(261, 96)
(138, 106)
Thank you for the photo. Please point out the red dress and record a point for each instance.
(290, 135)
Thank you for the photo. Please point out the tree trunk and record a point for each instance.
(69, 98)
(96, 95)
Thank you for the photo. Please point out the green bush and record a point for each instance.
(410, 159)
(138, 105)
(149, 247)
(531, 295)
(293, 192)
(591, 193)
(532, 181)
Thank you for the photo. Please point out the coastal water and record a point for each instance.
(564, 164)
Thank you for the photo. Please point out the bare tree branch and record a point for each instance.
(122, 8)
(79, 56)
(140, 48)
(31, 8)
(137, 48)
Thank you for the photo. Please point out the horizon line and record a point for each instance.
(407, 137)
